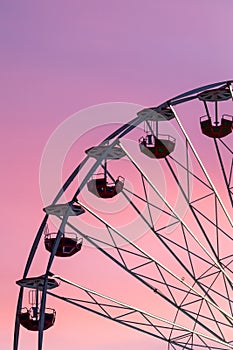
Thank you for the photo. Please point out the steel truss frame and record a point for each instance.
(136, 318)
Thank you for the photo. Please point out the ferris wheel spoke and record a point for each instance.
(202, 218)
(201, 165)
(133, 317)
(193, 212)
(227, 178)
(189, 172)
(173, 212)
(144, 277)
(202, 315)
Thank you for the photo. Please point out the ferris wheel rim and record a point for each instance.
(118, 134)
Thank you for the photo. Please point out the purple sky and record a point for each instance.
(58, 57)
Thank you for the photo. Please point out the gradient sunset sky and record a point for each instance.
(57, 58)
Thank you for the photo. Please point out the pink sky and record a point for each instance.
(58, 57)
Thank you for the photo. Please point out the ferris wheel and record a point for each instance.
(188, 264)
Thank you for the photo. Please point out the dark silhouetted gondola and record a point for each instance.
(101, 188)
(29, 318)
(154, 144)
(218, 131)
(69, 243)
(155, 147)
(216, 128)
